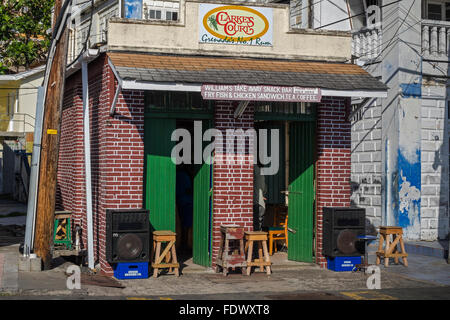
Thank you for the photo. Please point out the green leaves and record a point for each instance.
(212, 21)
(23, 38)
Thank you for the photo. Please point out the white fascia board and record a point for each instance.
(354, 93)
(160, 86)
(21, 75)
(89, 55)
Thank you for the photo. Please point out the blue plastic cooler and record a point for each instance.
(133, 270)
(343, 263)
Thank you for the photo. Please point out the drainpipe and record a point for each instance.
(388, 212)
(87, 159)
(34, 175)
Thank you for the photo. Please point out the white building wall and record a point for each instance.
(435, 164)
(366, 163)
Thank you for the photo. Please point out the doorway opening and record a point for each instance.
(288, 194)
(178, 196)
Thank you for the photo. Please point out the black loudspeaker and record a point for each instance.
(341, 228)
(127, 235)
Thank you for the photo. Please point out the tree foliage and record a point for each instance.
(23, 33)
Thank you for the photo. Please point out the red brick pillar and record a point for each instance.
(121, 175)
(117, 153)
(233, 182)
(333, 163)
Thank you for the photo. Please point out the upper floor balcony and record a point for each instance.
(366, 44)
(435, 39)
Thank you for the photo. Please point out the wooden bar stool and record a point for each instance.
(390, 250)
(231, 250)
(62, 232)
(169, 252)
(263, 260)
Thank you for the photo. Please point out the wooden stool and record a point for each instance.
(169, 252)
(390, 250)
(231, 250)
(263, 260)
(62, 232)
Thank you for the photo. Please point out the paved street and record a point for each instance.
(297, 282)
(426, 278)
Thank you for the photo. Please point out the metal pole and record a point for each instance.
(87, 161)
(34, 175)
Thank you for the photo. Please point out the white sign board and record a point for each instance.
(233, 24)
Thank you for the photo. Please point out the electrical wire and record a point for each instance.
(87, 38)
(395, 34)
(356, 15)
(373, 50)
(53, 42)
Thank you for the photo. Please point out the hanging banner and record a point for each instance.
(235, 25)
(242, 92)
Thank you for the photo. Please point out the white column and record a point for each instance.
(442, 40)
(434, 41)
(357, 45)
(374, 36)
(448, 42)
(425, 40)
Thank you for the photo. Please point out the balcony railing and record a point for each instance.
(17, 123)
(366, 44)
(435, 39)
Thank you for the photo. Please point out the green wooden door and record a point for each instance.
(275, 183)
(202, 216)
(301, 191)
(160, 173)
(201, 249)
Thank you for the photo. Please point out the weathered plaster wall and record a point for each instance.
(182, 37)
(366, 163)
(435, 163)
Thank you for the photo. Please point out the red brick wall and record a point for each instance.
(70, 182)
(233, 183)
(333, 162)
(117, 147)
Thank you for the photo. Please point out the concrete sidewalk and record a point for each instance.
(12, 212)
(286, 281)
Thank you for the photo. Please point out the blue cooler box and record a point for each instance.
(133, 270)
(343, 263)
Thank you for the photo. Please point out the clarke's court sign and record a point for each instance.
(235, 25)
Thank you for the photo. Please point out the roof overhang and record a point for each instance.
(150, 72)
(22, 75)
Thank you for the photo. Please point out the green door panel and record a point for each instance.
(160, 173)
(201, 249)
(202, 203)
(301, 191)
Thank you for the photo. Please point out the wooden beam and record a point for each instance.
(45, 208)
